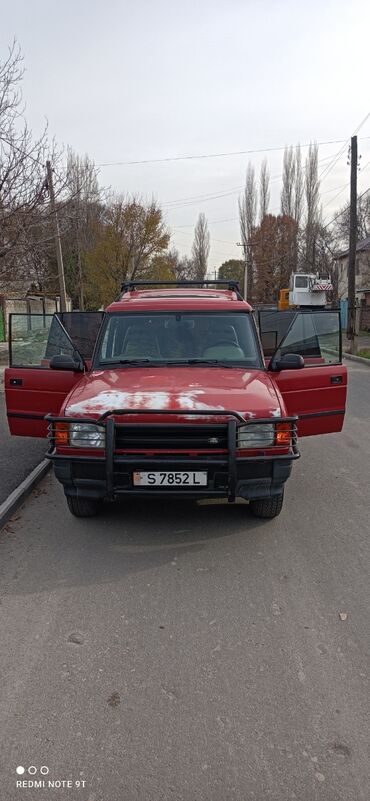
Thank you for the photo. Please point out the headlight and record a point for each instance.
(256, 436)
(86, 435)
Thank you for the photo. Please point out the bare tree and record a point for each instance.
(298, 187)
(341, 223)
(82, 210)
(247, 221)
(201, 246)
(22, 169)
(313, 215)
(264, 190)
(287, 192)
(184, 268)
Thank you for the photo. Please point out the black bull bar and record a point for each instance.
(235, 421)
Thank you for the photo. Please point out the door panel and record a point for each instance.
(32, 388)
(311, 394)
(316, 393)
(41, 391)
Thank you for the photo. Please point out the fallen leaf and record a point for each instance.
(114, 699)
(343, 615)
(76, 637)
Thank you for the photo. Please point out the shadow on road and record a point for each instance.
(127, 538)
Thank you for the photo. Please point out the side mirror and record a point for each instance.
(289, 361)
(65, 362)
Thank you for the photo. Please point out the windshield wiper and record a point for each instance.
(169, 363)
(129, 362)
(206, 362)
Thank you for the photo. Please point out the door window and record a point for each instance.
(314, 335)
(273, 325)
(82, 328)
(35, 338)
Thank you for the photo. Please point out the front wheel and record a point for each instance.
(267, 507)
(82, 507)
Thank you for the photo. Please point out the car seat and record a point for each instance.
(140, 343)
(223, 344)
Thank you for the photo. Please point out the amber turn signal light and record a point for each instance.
(61, 434)
(283, 434)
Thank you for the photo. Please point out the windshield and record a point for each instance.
(179, 338)
(301, 281)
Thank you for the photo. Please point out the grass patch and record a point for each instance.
(365, 353)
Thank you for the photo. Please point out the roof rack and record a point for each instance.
(232, 285)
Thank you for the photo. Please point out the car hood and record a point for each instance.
(249, 392)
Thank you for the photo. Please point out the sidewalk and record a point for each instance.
(363, 342)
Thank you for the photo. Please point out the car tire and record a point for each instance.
(267, 507)
(82, 507)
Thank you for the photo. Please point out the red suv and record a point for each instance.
(175, 391)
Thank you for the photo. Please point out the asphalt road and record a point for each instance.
(18, 455)
(189, 652)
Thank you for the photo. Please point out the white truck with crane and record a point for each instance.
(306, 290)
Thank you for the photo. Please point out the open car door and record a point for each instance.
(32, 388)
(317, 392)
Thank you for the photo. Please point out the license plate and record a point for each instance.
(178, 479)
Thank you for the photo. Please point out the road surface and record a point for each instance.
(188, 651)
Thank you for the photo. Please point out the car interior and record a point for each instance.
(182, 337)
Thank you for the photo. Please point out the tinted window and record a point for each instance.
(179, 337)
(315, 336)
(83, 329)
(273, 326)
(35, 338)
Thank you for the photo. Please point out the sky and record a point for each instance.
(138, 80)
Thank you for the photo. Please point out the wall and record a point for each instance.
(30, 304)
(362, 274)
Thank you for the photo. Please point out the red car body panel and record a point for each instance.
(41, 392)
(181, 300)
(250, 392)
(311, 395)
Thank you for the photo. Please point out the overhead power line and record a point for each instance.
(332, 164)
(178, 203)
(216, 155)
(341, 211)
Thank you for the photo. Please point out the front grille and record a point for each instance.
(148, 437)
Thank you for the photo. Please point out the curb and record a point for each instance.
(360, 359)
(8, 507)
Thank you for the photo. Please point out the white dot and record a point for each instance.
(20, 770)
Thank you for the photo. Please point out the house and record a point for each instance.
(365, 310)
(362, 273)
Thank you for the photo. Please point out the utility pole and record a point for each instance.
(58, 246)
(351, 326)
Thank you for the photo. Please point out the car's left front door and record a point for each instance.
(32, 388)
(316, 394)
